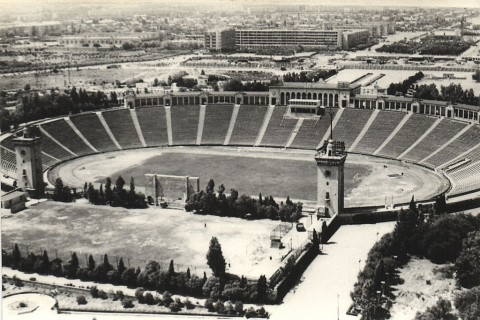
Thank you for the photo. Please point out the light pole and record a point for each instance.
(338, 306)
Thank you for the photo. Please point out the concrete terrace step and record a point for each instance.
(294, 132)
(74, 128)
(394, 132)
(107, 129)
(364, 130)
(436, 123)
(264, 126)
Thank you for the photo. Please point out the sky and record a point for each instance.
(408, 3)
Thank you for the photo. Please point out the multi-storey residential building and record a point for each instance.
(268, 38)
(353, 38)
(220, 40)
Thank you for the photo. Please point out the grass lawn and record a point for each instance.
(158, 234)
(277, 177)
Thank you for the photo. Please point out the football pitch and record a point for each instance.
(280, 173)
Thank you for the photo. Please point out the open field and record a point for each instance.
(150, 234)
(368, 180)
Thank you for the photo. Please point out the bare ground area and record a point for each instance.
(140, 235)
(424, 285)
(368, 180)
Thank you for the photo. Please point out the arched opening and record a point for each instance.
(309, 96)
(304, 95)
(330, 100)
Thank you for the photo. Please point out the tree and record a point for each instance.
(468, 262)
(215, 259)
(315, 240)
(324, 232)
(72, 266)
(440, 311)
(121, 266)
(119, 183)
(262, 287)
(468, 304)
(45, 262)
(17, 257)
(91, 263)
(171, 269)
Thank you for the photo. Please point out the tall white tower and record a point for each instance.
(330, 183)
(29, 162)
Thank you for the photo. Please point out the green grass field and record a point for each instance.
(249, 175)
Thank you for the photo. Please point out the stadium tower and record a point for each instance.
(29, 162)
(330, 182)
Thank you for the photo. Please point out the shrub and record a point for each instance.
(139, 295)
(127, 303)
(251, 313)
(219, 307)
(102, 295)
(33, 279)
(179, 302)
(81, 300)
(189, 304)
(148, 298)
(94, 292)
(174, 307)
(167, 298)
(209, 305)
(239, 307)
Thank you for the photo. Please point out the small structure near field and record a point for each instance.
(174, 190)
(14, 200)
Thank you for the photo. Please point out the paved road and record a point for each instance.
(330, 274)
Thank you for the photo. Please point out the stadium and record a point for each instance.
(246, 142)
(439, 149)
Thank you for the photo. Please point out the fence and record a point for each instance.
(130, 262)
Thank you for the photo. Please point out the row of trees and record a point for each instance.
(244, 206)
(152, 277)
(438, 237)
(304, 76)
(237, 85)
(427, 46)
(453, 93)
(405, 84)
(115, 195)
(36, 106)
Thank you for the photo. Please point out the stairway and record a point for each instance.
(233, 120)
(133, 113)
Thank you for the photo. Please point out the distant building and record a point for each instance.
(220, 40)
(103, 41)
(31, 29)
(446, 34)
(275, 38)
(353, 38)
